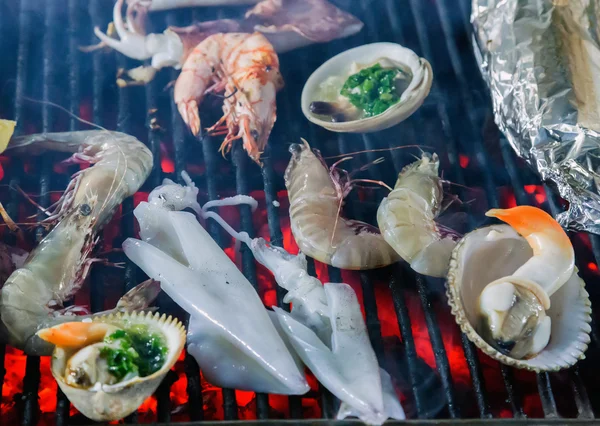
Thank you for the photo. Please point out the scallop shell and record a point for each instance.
(368, 54)
(113, 402)
(489, 253)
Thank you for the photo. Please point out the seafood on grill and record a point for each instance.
(109, 365)
(287, 24)
(406, 218)
(246, 67)
(154, 5)
(33, 294)
(335, 95)
(316, 195)
(515, 291)
(327, 330)
(230, 333)
(292, 24)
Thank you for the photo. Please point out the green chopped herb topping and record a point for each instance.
(138, 352)
(372, 89)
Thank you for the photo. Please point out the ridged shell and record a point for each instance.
(495, 251)
(412, 98)
(117, 401)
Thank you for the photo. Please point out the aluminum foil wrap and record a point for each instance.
(541, 59)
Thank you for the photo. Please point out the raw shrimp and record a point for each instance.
(406, 218)
(513, 308)
(327, 330)
(247, 68)
(56, 268)
(319, 230)
(230, 334)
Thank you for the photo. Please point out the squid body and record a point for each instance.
(327, 330)
(230, 333)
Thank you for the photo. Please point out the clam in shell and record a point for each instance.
(108, 402)
(490, 253)
(365, 56)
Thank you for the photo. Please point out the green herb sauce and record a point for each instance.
(138, 352)
(372, 89)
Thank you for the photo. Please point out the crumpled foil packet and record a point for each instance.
(541, 59)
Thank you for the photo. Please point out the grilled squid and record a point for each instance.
(287, 24)
(327, 331)
(231, 335)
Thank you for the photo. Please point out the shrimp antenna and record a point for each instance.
(379, 150)
(60, 107)
(368, 165)
(376, 182)
(447, 182)
(337, 218)
(340, 161)
(8, 220)
(28, 198)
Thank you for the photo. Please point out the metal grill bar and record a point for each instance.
(470, 352)
(98, 67)
(514, 395)
(441, 358)
(230, 407)
(404, 324)
(32, 367)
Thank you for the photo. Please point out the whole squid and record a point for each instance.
(230, 334)
(288, 24)
(327, 331)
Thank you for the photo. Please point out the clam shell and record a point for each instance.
(489, 253)
(117, 401)
(368, 54)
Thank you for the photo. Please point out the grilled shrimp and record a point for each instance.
(247, 68)
(55, 269)
(315, 200)
(406, 218)
(513, 308)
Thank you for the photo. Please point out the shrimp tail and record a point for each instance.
(190, 115)
(527, 221)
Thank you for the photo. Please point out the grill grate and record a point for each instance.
(454, 120)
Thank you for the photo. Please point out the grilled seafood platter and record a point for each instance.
(108, 366)
(516, 294)
(367, 89)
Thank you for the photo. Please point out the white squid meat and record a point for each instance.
(327, 330)
(230, 333)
